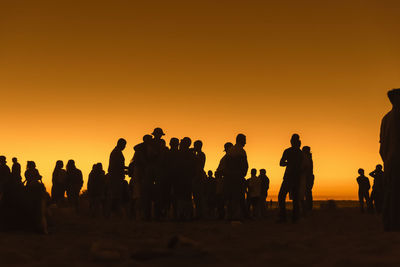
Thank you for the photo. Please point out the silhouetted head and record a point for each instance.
(157, 133)
(253, 172)
(307, 150)
(14, 160)
(295, 141)
(59, 164)
(263, 172)
(241, 140)
(121, 144)
(163, 143)
(147, 138)
(174, 143)
(197, 145)
(379, 167)
(3, 160)
(70, 165)
(210, 173)
(227, 146)
(98, 166)
(185, 143)
(30, 165)
(361, 172)
(394, 97)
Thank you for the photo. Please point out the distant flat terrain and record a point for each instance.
(328, 237)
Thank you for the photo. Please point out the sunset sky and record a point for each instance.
(77, 75)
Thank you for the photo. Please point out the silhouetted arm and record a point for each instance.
(283, 161)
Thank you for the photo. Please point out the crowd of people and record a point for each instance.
(170, 183)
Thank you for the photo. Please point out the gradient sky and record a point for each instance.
(77, 75)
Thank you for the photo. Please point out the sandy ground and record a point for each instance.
(339, 237)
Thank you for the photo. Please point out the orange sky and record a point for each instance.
(77, 75)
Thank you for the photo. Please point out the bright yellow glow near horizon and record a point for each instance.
(77, 75)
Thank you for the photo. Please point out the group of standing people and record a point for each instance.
(170, 182)
(373, 202)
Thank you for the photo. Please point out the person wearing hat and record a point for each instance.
(219, 177)
(156, 172)
(390, 153)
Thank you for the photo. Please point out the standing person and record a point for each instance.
(363, 190)
(377, 188)
(199, 180)
(187, 171)
(236, 170)
(16, 170)
(308, 175)
(170, 186)
(155, 172)
(116, 171)
(390, 153)
(74, 180)
(32, 175)
(96, 187)
(264, 191)
(59, 181)
(141, 185)
(292, 159)
(210, 195)
(220, 174)
(254, 184)
(5, 172)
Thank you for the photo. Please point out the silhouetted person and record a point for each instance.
(390, 153)
(235, 171)
(32, 175)
(187, 171)
(96, 188)
(155, 173)
(264, 190)
(116, 172)
(377, 193)
(16, 170)
(5, 172)
(210, 194)
(363, 190)
(171, 182)
(74, 180)
(59, 180)
(308, 173)
(254, 194)
(199, 180)
(292, 159)
(220, 174)
(142, 189)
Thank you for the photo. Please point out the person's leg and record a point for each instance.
(361, 200)
(283, 191)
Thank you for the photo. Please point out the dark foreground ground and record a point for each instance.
(328, 237)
